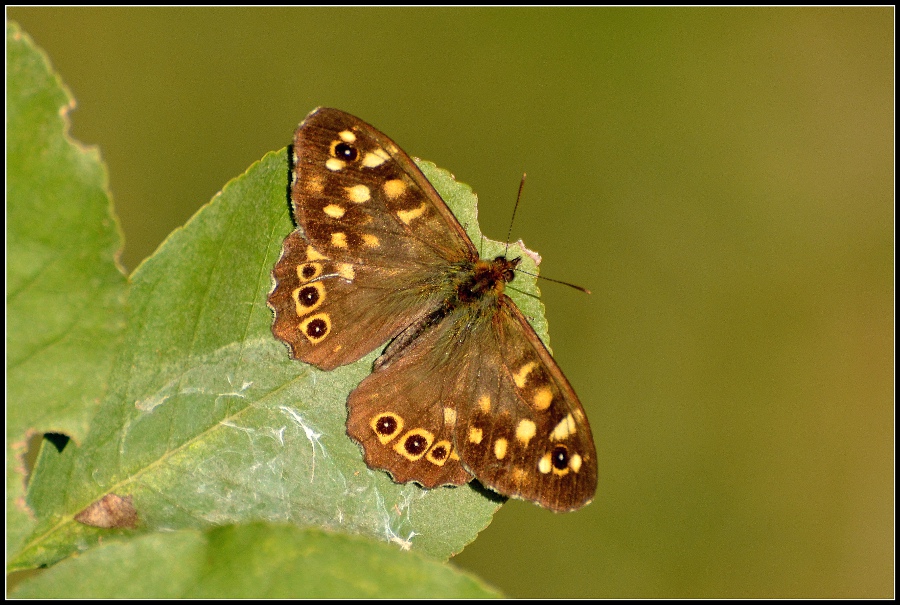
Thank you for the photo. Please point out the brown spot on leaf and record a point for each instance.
(110, 512)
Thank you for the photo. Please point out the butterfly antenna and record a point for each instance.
(523, 292)
(516, 207)
(509, 233)
(555, 281)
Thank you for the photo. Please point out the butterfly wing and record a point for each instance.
(481, 387)
(403, 416)
(372, 246)
(331, 313)
(522, 430)
(359, 197)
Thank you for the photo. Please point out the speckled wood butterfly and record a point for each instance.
(465, 387)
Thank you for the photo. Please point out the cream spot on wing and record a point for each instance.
(408, 216)
(347, 136)
(333, 210)
(575, 462)
(339, 240)
(334, 164)
(449, 416)
(562, 430)
(525, 431)
(370, 240)
(500, 448)
(522, 375)
(475, 435)
(542, 398)
(485, 404)
(358, 194)
(545, 465)
(375, 158)
(314, 185)
(394, 188)
(346, 271)
(313, 254)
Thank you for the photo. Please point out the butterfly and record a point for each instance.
(465, 387)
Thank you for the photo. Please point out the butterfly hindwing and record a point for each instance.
(495, 398)
(403, 416)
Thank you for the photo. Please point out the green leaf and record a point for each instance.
(256, 561)
(65, 294)
(207, 422)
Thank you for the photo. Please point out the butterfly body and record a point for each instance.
(465, 387)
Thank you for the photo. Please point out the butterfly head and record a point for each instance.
(505, 268)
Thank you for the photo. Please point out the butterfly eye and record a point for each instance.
(316, 327)
(415, 444)
(308, 271)
(346, 152)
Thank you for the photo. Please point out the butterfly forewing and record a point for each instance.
(466, 387)
(359, 197)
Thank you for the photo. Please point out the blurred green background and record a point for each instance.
(722, 179)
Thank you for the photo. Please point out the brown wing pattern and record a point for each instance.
(323, 307)
(521, 430)
(491, 392)
(403, 415)
(359, 197)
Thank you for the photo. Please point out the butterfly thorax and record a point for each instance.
(471, 289)
(486, 278)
